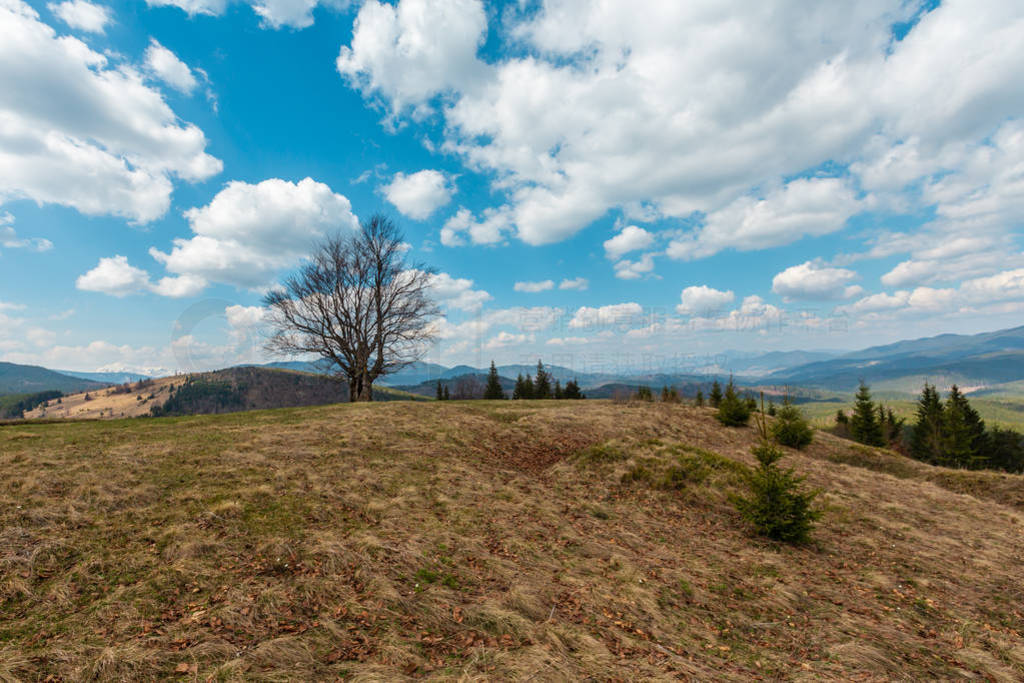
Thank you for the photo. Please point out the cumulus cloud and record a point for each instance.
(458, 292)
(566, 341)
(115, 276)
(630, 238)
(803, 207)
(633, 270)
(968, 297)
(248, 233)
(166, 66)
(82, 15)
(579, 284)
(410, 52)
(419, 194)
(693, 114)
(80, 130)
(490, 229)
(607, 316)
(815, 282)
(534, 287)
(274, 14)
(9, 237)
(504, 339)
(703, 300)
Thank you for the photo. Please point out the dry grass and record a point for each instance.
(106, 403)
(475, 541)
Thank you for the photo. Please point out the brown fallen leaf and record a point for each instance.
(181, 668)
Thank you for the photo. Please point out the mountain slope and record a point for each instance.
(222, 391)
(489, 541)
(974, 360)
(30, 379)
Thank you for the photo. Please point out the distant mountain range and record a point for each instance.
(105, 377)
(979, 362)
(30, 379)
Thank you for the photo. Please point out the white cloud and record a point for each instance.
(248, 233)
(274, 13)
(458, 293)
(81, 131)
(566, 341)
(193, 7)
(579, 284)
(968, 298)
(166, 66)
(752, 315)
(678, 110)
(243, 317)
(85, 16)
(702, 300)
(803, 207)
(490, 230)
(504, 339)
(9, 238)
(624, 314)
(115, 276)
(877, 302)
(633, 270)
(815, 282)
(410, 52)
(179, 287)
(534, 287)
(631, 238)
(420, 194)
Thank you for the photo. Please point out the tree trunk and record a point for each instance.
(360, 388)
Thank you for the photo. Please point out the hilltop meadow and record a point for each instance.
(487, 540)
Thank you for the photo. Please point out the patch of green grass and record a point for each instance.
(601, 454)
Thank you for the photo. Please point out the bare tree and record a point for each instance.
(357, 305)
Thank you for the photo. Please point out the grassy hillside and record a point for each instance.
(1006, 411)
(531, 540)
(223, 391)
(31, 379)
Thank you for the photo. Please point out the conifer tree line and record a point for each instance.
(540, 386)
(949, 433)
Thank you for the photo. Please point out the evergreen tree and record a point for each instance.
(572, 390)
(643, 394)
(777, 506)
(493, 391)
(440, 392)
(542, 383)
(664, 394)
(559, 393)
(790, 428)
(964, 438)
(1005, 451)
(892, 427)
(699, 400)
(716, 394)
(926, 438)
(520, 387)
(528, 389)
(732, 411)
(864, 425)
(447, 396)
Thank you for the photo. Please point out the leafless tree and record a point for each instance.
(356, 304)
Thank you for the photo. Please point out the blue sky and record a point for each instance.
(603, 185)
